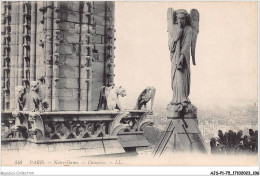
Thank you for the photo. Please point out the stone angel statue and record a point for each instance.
(183, 29)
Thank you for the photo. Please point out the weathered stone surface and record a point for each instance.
(97, 20)
(70, 83)
(76, 72)
(68, 105)
(14, 29)
(62, 59)
(67, 71)
(103, 39)
(113, 146)
(83, 86)
(39, 53)
(14, 50)
(66, 48)
(133, 140)
(40, 71)
(65, 25)
(100, 30)
(99, 11)
(71, 37)
(99, 5)
(98, 57)
(14, 19)
(70, 16)
(97, 71)
(85, 29)
(75, 93)
(181, 136)
(71, 6)
(100, 48)
(65, 92)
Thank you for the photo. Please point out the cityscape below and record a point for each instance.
(212, 119)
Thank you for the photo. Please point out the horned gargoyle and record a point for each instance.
(147, 94)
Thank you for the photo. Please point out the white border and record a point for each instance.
(133, 170)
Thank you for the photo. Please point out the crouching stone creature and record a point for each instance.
(146, 95)
(109, 98)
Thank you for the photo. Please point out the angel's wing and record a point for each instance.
(194, 22)
(170, 21)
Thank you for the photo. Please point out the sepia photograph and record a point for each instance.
(129, 83)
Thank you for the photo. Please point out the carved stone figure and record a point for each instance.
(146, 95)
(20, 92)
(102, 104)
(37, 128)
(182, 132)
(20, 128)
(182, 36)
(109, 99)
(35, 95)
(36, 98)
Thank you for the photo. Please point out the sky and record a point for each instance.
(226, 51)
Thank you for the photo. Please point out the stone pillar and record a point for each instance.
(6, 50)
(26, 43)
(56, 56)
(20, 67)
(182, 133)
(109, 41)
(49, 54)
(33, 41)
(14, 54)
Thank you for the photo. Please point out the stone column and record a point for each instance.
(49, 54)
(56, 56)
(109, 44)
(33, 41)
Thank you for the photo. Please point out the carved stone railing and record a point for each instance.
(56, 127)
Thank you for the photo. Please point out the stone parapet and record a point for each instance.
(64, 129)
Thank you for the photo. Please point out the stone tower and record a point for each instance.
(69, 44)
(61, 54)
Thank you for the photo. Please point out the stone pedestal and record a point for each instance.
(182, 133)
(176, 111)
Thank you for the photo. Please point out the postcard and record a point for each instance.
(124, 83)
